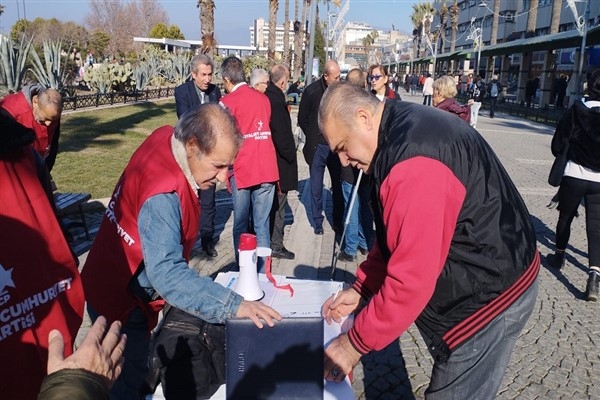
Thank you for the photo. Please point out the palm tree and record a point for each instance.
(443, 24)
(417, 17)
(367, 42)
(495, 22)
(273, 7)
(286, 34)
(556, 11)
(207, 26)
(297, 41)
(454, 11)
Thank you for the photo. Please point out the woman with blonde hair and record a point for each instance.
(444, 91)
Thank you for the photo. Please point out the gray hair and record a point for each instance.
(233, 69)
(207, 123)
(203, 59)
(356, 77)
(257, 75)
(342, 100)
(279, 72)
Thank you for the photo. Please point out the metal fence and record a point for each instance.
(543, 115)
(76, 102)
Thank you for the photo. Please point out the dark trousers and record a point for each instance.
(324, 157)
(427, 100)
(277, 220)
(207, 215)
(572, 190)
(493, 101)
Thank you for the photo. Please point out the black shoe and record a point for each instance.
(209, 250)
(343, 256)
(362, 251)
(319, 230)
(283, 253)
(556, 260)
(591, 290)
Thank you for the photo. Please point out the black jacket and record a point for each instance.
(579, 125)
(492, 258)
(308, 118)
(74, 384)
(283, 139)
(187, 98)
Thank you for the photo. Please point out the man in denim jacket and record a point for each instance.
(139, 259)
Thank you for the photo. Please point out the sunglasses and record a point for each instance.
(375, 77)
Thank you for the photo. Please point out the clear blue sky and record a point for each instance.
(232, 17)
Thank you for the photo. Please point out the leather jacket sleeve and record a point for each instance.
(73, 384)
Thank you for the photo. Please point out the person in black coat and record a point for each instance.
(287, 163)
(317, 153)
(188, 96)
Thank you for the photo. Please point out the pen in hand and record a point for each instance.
(334, 297)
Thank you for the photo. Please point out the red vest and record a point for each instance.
(117, 253)
(16, 104)
(40, 288)
(256, 161)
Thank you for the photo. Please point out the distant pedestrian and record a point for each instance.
(477, 94)
(581, 180)
(427, 90)
(494, 90)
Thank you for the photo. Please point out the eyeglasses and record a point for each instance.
(375, 77)
(264, 83)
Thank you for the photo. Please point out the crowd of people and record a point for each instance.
(439, 216)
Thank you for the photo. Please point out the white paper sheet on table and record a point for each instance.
(309, 296)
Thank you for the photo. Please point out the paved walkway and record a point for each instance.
(557, 355)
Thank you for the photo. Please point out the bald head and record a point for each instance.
(341, 101)
(331, 72)
(356, 77)
(47, 106)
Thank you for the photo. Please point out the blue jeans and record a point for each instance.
(354, 233)
(294, 96)
(135, 367)
(260, 198)
(476, 368)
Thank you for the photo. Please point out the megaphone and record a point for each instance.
(248, 286)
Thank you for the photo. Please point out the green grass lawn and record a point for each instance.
(96, 145)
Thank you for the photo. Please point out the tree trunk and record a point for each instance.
(273, 7)
(303, 36)
(297, 42)
(556, 11)
(532, 18)
(286, 34)
(207, 26)
(495, 23)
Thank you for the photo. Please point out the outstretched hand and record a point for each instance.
(255, 310)
(99, 353)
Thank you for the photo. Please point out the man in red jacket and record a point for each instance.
(255, 167)
(40, 288)
(139, 259)
(456, 249)
(38, 108)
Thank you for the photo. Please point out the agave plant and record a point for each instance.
(140, 76)
(12, 63)
(50, 73)
(178, 68)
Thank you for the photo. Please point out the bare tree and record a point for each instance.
(120, 20)
(207, 26)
